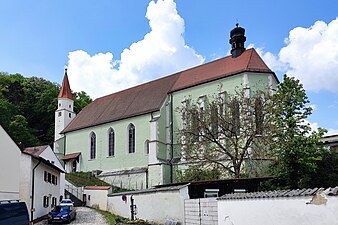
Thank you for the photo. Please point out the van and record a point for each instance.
(13, 213)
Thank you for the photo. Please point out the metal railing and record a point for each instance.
(74, 190)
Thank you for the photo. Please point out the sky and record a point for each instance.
(110, 45)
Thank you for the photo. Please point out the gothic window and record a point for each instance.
(214, 120)
(92, 146)
(131, 138)
(111, 142)
(259, 115)
(235, 117)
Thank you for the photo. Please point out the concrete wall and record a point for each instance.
(135, 181)
(9, 167)
(201, 211)
(278, 211)
(157, 207)
(97, 198)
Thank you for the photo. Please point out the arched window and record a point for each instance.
(111, 142)
(131, 138)
(146, 147)
(92, 145)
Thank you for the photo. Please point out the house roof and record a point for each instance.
(71, 156)
(35, 151)
(65, 91)
(149, 97)
(281, 193)
(97, 187)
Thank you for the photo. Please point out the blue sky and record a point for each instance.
(110, 45)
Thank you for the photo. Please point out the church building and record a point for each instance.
(129, 138)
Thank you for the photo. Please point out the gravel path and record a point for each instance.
(85, 216)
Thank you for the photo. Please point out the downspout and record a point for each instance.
(171, 138)
(33, 175)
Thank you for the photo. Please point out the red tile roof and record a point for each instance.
(65, 91)
(149, 97)
(249, 61)
(97, 187)
(71, 156)
(35, 151)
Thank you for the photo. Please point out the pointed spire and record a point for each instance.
(65, 91)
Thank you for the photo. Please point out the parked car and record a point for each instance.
(13, 213)
(67, 201)
(61, 214)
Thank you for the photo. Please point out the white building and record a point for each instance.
(40, 180)
(9, 167)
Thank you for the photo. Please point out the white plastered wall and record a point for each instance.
(9, 167)
(278, 211)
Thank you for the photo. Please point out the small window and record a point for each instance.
(70, 115)
(45, 201)
(59, 104)
(49, 178)
(53, 201)
(59, 114)
(88, 197)
(45, 176)
(70, 106)
(146, 147)
(53, 179)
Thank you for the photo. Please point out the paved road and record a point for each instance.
(85, 216)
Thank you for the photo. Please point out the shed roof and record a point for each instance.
(72, 156)
(281, 193)
(97, 187)
(149, 97)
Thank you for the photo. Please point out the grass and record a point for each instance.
(81, 179)
(85, 179)
(113, 219)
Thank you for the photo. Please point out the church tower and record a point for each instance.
(237, 40)
(65, 111)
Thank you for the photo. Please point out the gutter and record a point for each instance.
(171, 138)
(33, 181)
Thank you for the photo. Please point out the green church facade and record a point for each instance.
(143, 121)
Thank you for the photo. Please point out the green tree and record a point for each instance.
(326, 174)
(226, 131)
(295, 146)
(197, 173)
(81, 100)
(23, 134)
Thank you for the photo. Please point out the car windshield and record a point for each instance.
(66, 201)
(61, 209)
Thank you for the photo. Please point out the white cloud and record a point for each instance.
(161, 52)
(310, 55)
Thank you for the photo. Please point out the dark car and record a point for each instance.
(62, 214)
(13, 213)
